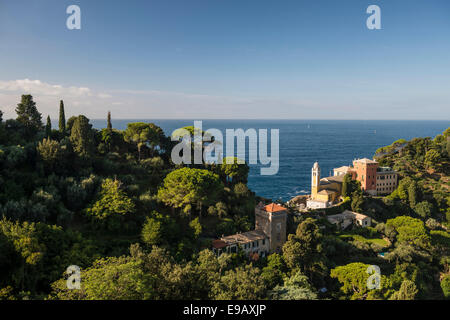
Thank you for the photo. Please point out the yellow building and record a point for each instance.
(324, 191)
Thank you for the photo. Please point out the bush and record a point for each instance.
(445, 285)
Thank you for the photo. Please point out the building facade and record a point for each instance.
(374, 180)
(347, 218)
(254, 243)
(268, 237)
(366, 173)
(386, 180)
(324, 191)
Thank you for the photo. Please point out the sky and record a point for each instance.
(228, 59)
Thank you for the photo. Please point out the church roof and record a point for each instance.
(273, 207)
(327, 191)
(338, 179)
(342, 169)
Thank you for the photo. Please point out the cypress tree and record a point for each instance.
(48, 127)
(109, 125)
(62, 117)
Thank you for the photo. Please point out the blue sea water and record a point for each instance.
(333, 143)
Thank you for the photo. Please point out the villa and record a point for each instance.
(347, 218)
(375, 180)
(268, 237)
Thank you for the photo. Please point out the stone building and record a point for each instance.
(268, 237)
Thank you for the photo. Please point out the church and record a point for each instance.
(324, 191)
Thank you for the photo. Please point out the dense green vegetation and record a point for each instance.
(140, 227)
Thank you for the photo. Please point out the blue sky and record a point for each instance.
(228, 59)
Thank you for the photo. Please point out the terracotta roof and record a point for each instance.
(273, 207)
(218, 244)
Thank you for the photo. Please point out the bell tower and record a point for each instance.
(272, 220)
(315, 180)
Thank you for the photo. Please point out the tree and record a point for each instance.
(70, 123)
(196, 228)
(304, 251)
(138, 276)
(424, 209)
(408, 291)
(234, 172)
(48, 127)
(23, 253)
(62, 118)
(410, 231)
(345, 185)
(49, 151)
(273, 273)
(151, 231)
(432, 159)
(357, 201)
(28, 115)
(242, 283)
(295, 288)
(108, 122)
(82, 137)
(110, 278)
(350, 186)
(353, 278)
(187, 187)
(143, 134)
(412, 193)
(1, 116)
(112, 205)
(445, 285)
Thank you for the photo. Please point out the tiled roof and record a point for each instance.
(344, 168)
(218, 244)
(244, 237)
(333, 179)
(365, 160)
(273, 207)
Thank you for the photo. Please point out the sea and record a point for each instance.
(333, 143)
